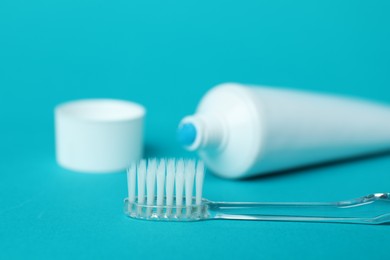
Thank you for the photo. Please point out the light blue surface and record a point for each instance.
(165, 55)
(186, 134)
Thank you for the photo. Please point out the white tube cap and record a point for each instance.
(99, 135)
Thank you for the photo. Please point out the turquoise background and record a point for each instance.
(166, 55)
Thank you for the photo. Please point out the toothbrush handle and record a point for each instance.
(371, 209)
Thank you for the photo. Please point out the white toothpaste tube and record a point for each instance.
(241, 131)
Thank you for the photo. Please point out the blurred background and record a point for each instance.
(166, 55)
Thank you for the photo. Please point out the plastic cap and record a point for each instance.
(99, 135)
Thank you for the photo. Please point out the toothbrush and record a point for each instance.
(177, 200)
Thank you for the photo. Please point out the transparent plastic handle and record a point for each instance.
(371, 209)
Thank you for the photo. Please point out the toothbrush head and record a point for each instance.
(164, 190)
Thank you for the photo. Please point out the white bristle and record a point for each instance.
(189, 180)
(150, 181)
(199, 182)
(170, 181)
(141, 174)
(160, 183)
(179, 182)
(131, 174)
(170, 177)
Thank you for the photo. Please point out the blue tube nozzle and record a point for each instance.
(186, 134)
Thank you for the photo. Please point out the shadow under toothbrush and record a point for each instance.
(307, 168)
